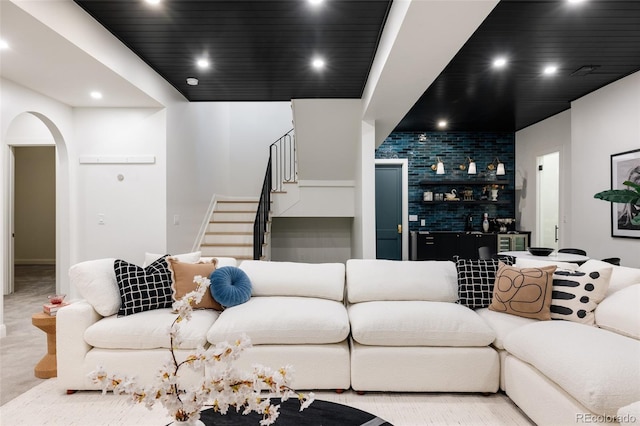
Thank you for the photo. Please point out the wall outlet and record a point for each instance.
(423, 222)
(413, 218)
(100, 218)
(176, 219)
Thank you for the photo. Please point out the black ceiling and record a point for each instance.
(471, 95)
(261, 51)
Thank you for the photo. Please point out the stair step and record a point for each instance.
(247, 206)
(227, 251)
(223, 216)
(228, 238)
(234, 227)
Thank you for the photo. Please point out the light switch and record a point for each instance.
(100, 218)
(176, 219)
(423, 222)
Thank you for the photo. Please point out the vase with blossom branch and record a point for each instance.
(221, 387)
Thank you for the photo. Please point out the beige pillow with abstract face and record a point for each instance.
(525, 292)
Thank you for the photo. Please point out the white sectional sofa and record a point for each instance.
(296, 316)
(378, 325)
(408, 334)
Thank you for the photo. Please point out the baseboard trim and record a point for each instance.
(34, 261)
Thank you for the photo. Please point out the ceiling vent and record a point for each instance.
(584, 70)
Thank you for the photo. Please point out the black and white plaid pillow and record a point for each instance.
(143, 289)
(475, 281)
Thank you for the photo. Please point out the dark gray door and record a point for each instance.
(389, 212)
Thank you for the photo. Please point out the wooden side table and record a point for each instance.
(47, 367)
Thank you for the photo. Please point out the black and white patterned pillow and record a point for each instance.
(576, 294)
(475, 281)
(143, 289)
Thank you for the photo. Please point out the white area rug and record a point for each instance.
(46, 404)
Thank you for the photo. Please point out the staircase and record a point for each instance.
(241, 228)
(230, 229)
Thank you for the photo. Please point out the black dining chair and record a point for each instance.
(485, 253)
(612, 260)
(573, 251)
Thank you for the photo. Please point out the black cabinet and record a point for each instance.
(446, 245)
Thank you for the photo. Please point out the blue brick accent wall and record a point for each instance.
(453, 148)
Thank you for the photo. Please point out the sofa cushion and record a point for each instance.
(576, 294)
(525, 292)
(149, 330)
(182, 275)
(230, 286)
(598, 368)
(374, 279)
(417, 323)
(620, 312)
(283, 320)
(502, 324)
(96, 283)
(143, 289)
(322, 280)
(475, 281)
(621, 276)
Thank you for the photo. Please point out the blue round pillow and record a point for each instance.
(230, 286)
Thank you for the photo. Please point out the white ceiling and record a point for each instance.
(44, 61)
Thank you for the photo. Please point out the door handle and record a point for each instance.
(556, 233)
(399, 228)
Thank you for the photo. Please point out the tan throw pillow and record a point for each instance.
(525, 292)
(182, 275)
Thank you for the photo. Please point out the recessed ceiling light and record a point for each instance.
(500, 62)
(317, 63)
(203, 63)
(316, 2)
(442, 124)
(3, 44)
(550, 69)
(96, 95)
(576, 1)
(192, 81)
(153, 2)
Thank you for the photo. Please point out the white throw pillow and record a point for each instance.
(96, 283)
(621, 276)
(193, 257)
(620, 312)
(576, 294)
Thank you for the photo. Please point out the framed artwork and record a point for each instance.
(624, 166)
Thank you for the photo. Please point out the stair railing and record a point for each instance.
(281, 168)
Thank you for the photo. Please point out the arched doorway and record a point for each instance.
(32, 129)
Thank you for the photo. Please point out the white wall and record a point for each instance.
(545, 137)
(216, 148)
(604, 122)
(311, 239)
(134, 208)
(327, 135)
(598, 125)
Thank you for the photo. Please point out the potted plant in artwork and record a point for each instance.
(630, 197)
(223, 386)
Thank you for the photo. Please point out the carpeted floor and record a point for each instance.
(47, 404)
(24, 344)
